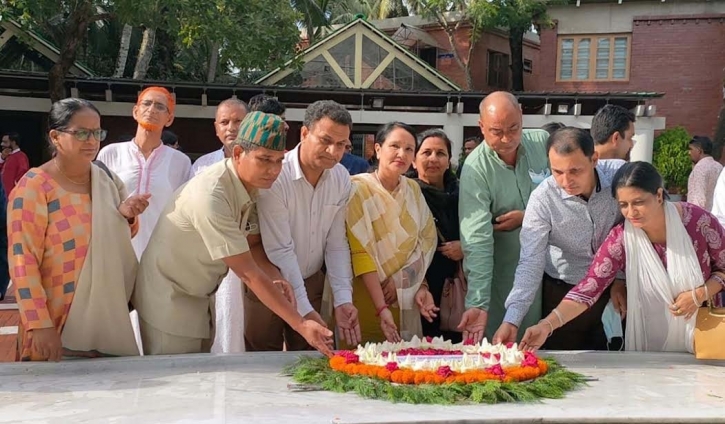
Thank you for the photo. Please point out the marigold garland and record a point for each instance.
(342, 362)
(527, 383)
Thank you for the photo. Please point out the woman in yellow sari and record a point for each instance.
(392, 241)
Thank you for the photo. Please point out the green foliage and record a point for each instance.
(519, 14)
(671, 158)
(314, 16)
(344, 11)
(251, 34)
(554, 385)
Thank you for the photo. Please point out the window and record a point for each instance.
(498, 70)
(528, 66)
(593, 58)
(429, 55)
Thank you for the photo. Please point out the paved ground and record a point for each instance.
(8, 328)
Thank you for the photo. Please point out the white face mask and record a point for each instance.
(612, 322)
(538, 177)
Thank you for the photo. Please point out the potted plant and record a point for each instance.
(672, 160)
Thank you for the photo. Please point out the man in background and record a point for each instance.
(613, 131)
(13, 161)
(170, 139)
(229, 115)
(705, 172)
(469, 145)
(353, 163)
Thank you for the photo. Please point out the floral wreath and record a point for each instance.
(437, 372)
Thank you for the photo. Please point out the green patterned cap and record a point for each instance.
(264, 130)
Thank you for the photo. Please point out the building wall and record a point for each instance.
(494, 41)
(678, 54)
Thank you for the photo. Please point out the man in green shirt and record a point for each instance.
(495, 186)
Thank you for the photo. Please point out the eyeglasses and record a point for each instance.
(157, 106)
(84, 135)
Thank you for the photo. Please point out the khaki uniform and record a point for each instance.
(207, 220)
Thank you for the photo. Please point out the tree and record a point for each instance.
(452, 16)
(518, 17)
(123, 51)
(196, 39)
(244, 34)
(345, 11)
(314, 16)
(66, 21)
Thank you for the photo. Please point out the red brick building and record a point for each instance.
(674, 47)
(490, 64)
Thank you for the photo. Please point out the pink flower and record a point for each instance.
(444, 371)
(530, 360)
(350, 357)
(385, 354)
(427, 352)
(496, 370)
(509, 345)
(468, 342)
(391, 366)
(429, 339)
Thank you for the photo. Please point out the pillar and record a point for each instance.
(643, 144)
(455, 133)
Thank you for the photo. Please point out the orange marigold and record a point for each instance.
(408, 376)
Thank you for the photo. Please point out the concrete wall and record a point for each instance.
(681, 55)
(613, 17)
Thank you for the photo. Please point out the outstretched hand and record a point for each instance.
(473, 324)
(317, 335)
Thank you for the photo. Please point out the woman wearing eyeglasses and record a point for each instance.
(70, 254)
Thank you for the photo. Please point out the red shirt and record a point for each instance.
(14, 167)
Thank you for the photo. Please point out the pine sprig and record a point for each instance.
(553, 385)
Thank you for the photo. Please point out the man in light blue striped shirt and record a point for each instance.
(567, 218)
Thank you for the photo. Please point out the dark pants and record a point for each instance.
(265, 331)
(584, 332)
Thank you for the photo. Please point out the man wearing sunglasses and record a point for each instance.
(147, 166)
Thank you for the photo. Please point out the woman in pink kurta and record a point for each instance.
(652, 314)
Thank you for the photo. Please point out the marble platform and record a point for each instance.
(247, 388)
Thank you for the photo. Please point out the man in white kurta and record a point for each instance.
(229, 311)
(302, 223)
(146, 165)
(229, 115)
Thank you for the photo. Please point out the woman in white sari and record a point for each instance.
(392, 241)
(673, 255)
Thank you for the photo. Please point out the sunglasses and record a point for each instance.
(84, 135)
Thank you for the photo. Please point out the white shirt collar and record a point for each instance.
(293, 156)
